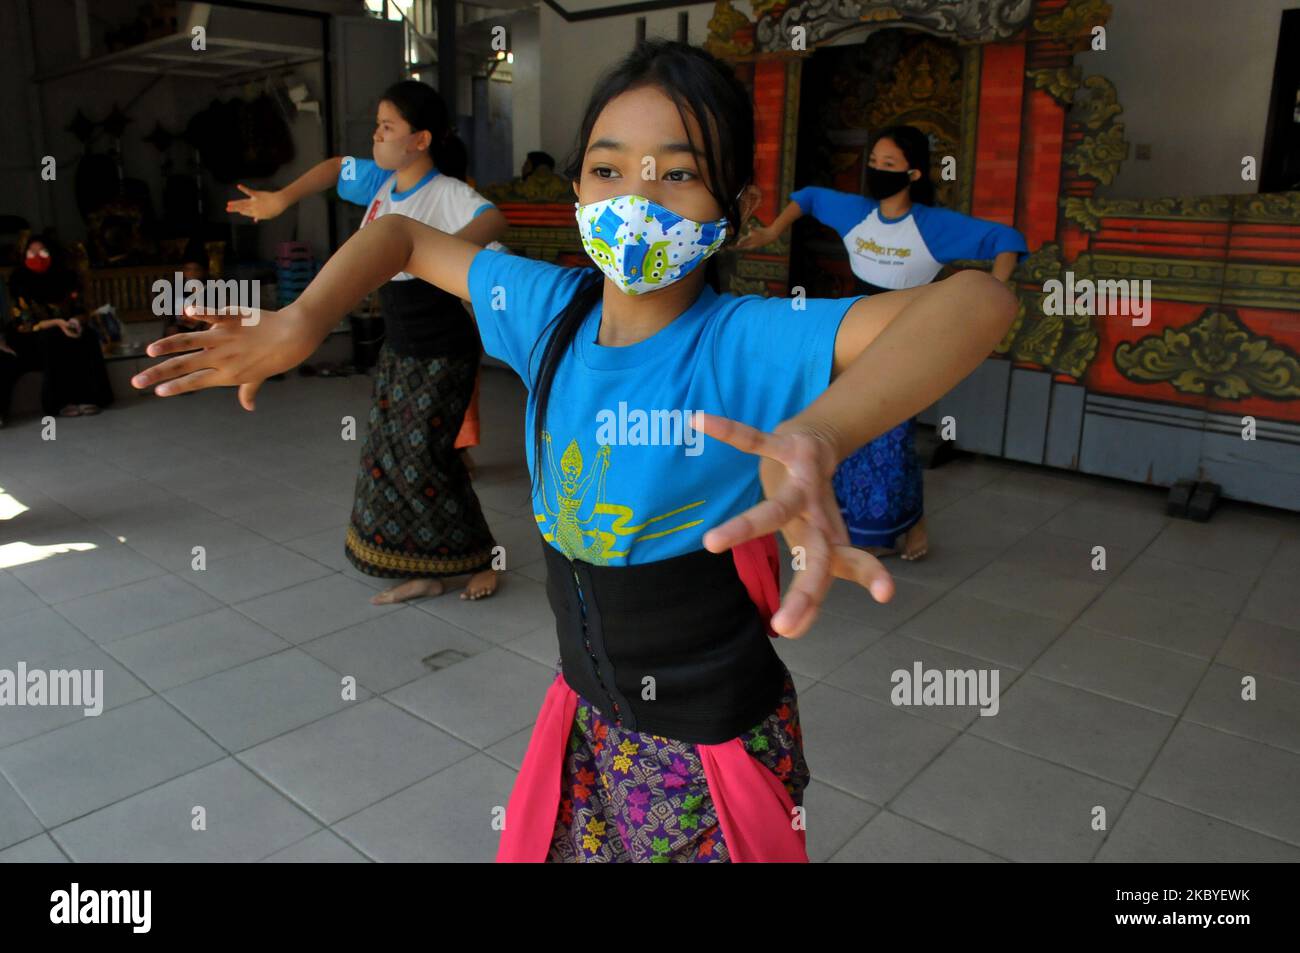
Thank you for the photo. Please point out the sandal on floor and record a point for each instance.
(88, 410)
(72, 410)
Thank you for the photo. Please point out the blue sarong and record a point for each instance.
(879, 488)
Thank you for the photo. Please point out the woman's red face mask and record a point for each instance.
(38, 258)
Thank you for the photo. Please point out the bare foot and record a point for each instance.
(481, 585)
(410, 589)
(916, 543)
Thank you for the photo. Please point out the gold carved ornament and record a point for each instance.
(1063, 343)
(1215, 354)
(1075, 21)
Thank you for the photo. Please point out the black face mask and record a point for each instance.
(882, 183)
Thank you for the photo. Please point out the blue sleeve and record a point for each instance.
(514, 298)
(481, 209)
(364, 182)
(840, 210)
(951, 235)
(773, 359)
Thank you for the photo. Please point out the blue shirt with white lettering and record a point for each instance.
(910, 250)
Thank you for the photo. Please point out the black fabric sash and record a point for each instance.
(687, 623)
(422, 320)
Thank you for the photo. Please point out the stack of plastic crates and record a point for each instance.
(294, 269)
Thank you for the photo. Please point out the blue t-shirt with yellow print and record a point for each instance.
(624, 477)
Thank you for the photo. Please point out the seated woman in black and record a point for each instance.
(42, 331)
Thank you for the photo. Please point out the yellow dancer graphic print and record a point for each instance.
(584, 537)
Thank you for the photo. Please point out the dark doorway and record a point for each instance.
(1280, 170)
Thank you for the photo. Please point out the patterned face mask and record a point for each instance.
(642, 246)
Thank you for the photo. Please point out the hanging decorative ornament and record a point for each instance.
(116, 122)
(160, 138)
(81, 127)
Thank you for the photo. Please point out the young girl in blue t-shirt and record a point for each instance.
(671, 731)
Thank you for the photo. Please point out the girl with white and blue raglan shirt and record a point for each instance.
(415, 516)
(895, 239)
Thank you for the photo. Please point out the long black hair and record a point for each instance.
(423, 108)
(699, 85)
(453, 158)
(915, 146)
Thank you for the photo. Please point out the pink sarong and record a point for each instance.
(754, 809)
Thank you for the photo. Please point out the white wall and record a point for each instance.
(1194, 78)
(525, 87)
(574, 55)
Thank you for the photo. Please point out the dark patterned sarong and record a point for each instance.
(415, 513)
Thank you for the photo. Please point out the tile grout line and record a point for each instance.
(1178, 719)
(965, 731)
(959, 732)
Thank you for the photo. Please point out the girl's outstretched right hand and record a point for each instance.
(236, 350)
(259, 205)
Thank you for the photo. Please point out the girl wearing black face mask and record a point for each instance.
(895, 239)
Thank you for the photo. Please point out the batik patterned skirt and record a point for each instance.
(879, 488)
(632, 797)
(414, 513)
